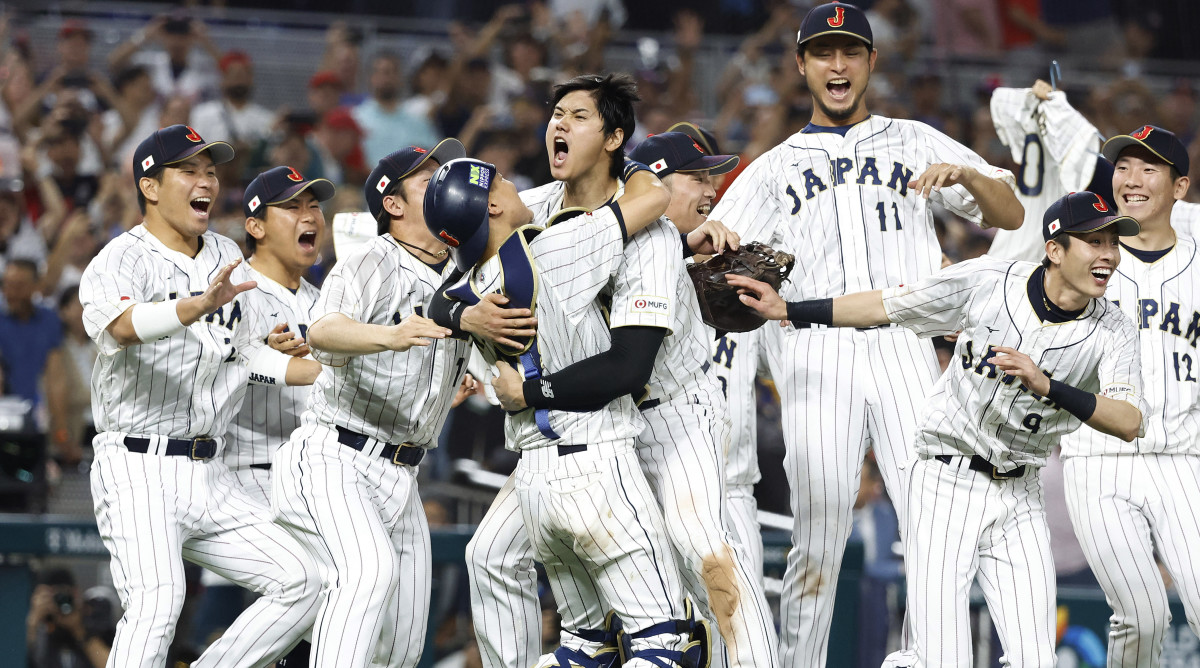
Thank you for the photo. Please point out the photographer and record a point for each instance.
(63, 631)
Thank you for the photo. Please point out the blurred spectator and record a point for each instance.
(342, 57)
(234, 117)
(336, 142)
(65, 630)
(967, 28)
(430, 81)
(1179, 110)
(877, 528)
(324, 92)
(896, 32)
(68, 384)
(18, 237)
(1089, 26)
(63, 146)
(384, 122)
(30, 334)
(134, 113)
(585, 14)
(175, 69)
(926, 92)
(1024, 30)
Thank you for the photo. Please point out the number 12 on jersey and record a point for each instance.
(882, 209)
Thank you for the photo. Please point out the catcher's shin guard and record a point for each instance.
(607, 656)
(696, 653)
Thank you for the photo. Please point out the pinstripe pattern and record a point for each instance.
(358, 515)
(842, 206)
(1130, 500)
(270, 414)
(152, 509)
(961, 523)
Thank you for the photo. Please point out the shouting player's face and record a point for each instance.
(837, 69)
(692, 196)
(292, 232)
(1144, 188)
(186, 195)
(1088, 263)
(575, 138)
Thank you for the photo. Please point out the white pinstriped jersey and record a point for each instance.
(843, 207)
(737, 360)
(269, 414)
(975, 409)
(1163, 300)
(182, 386)
(574, 261)
(1035, 131)
(651, 288)
(390, 396)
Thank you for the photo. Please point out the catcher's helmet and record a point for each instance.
(456, 208)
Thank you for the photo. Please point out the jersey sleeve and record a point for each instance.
(580, 255)
(749, 207)
(1071, 141)
(1120, 369)
(113, 281)
(936, 304)
(940, 148)
(645, 290)
(352, 288)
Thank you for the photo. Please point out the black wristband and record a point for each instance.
(687, 250)
(818, 311)
(1073, 400)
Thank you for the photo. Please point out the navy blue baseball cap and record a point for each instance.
(835, 18)
(672, 152)
(706, 139)
(1160, 142)
(396, 166)
(1083, 212)
(456, 208)
(278, 185)
(175, 144)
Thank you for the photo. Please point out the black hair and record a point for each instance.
(385, 219)
(26, 263)
(614, 95)
(56, 577)
(128, 75)
(69, 295)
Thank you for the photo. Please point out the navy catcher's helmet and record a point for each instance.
(456, 208)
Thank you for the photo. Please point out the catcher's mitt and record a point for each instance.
(719, 304)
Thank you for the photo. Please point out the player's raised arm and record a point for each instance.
(996, 199)
(155, 320)
(645, 199)
(340, 335)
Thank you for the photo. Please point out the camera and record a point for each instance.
(65, 602)
(177, 26)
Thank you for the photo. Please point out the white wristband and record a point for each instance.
(156, 320)
(269, 367)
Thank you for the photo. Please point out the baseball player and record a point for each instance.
(737, 360)
(284, 230)
(587, 508)
(849, 197)
(1129, 501)
(685, 436)
(345, 483)
(164, 303)
(1041, 351)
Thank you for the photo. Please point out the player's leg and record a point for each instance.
(824, 429)
(504, 601)
(742, 521)
(1176, 514)
(319, 498)
(680, 459)
(242, 543)
(1016, 574)
(1104, 498)
(143, 528)
(407, 615)
(948, 503)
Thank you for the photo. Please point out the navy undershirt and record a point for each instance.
(1047, 310)
(812, 128)
(1149, 257)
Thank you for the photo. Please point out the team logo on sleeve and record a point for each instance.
(650, 304)
(837, 19)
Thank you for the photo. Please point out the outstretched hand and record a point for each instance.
(939, 175)
(759, 296)
(1020, 366)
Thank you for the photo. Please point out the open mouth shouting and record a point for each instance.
(1101, 275)
(559, 156)
(839, 89)
(201, 206)
(308, 241)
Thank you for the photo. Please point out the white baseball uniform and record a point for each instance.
(963, 522)
(1129, 501)
(152, 508)
(842, 206)
(1040, 134)
(737, 360)
(356, 509)
(587, 508)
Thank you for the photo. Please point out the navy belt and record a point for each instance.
(984, 466)
(655, 403)
(400, 453)
(261, 467)
(200, 448)
(809, 325)
(564, 450)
